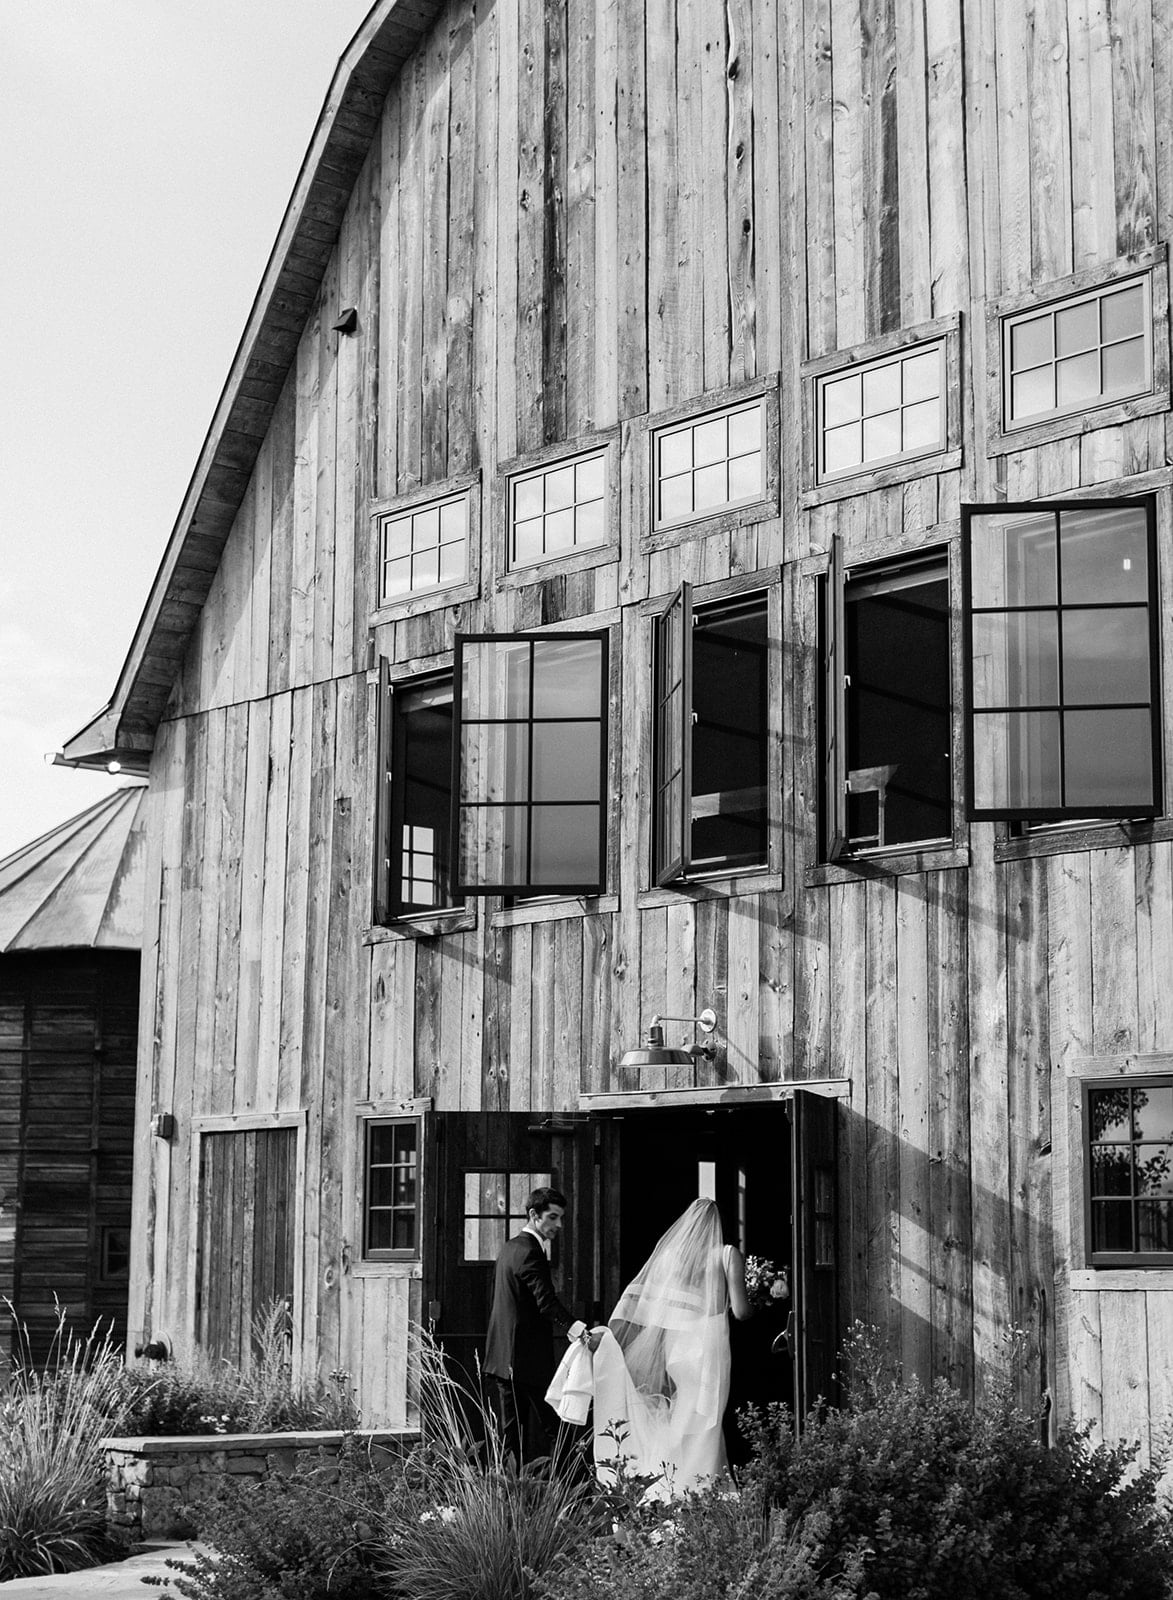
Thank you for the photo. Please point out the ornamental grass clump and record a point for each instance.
(464, 1523)
(52, 1467)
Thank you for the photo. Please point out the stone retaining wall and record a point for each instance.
(155, 1487)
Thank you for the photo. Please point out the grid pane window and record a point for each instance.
(709, 463)
(423, 548)
(1128, 1129)
(419, 795)
(1062, 661)
(392, 1189)
(532, 753)
(494, 1209)
(558, 510)
(1078, 353)
(710, 676)
(883, 411)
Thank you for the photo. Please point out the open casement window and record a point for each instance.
(1128, 1171)
(1062, 687)
(530, 764)
(414, 874)
(887, 705)
(710, 708)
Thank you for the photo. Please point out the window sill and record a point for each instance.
(892, 865)
(1095, 836)
(725, 520)
(867, 479)
(429, 926)
(559, 567)
(718, 887)
(1121, 1280)
(412, 1270)
(1109, 415)
(414, 605)
(559, 910)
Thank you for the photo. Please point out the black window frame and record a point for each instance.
(1063, 813)
(587, 888)
(106, 1235)
(672, 631)
(390, 1253)
(1115, 1258)
(389, 906)
(835, 682)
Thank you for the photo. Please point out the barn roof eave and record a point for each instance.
(372, 61)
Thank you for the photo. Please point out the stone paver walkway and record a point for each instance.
(119, 1580)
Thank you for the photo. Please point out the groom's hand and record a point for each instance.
(593, 1339)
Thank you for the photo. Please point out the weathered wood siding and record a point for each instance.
(67, 1071)
(576, 215)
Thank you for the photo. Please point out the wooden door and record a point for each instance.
(814, 1125)
(246, 1235)
(484, 1164)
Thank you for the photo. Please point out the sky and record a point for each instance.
(148, 149)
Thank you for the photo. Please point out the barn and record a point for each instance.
(661, 679)
(70, 929)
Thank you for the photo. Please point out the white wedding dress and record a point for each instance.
(661, 1371)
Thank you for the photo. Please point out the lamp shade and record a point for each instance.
(653, 1052)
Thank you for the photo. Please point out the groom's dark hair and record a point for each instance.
(541, 1200)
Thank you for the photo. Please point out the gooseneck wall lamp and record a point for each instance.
(653, 1052)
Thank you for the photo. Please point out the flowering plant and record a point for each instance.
(764, 1282)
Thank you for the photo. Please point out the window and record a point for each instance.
(710, 704)
(709, 463)
(1077, 353)
(114, 1265)
(887, 706)
(494, 1209)
(423, 547)
(557, 510)
(1128, 1167)
(391, 1189)
(531, 742)
(880, 411)
(1061, 671)
(416, 875)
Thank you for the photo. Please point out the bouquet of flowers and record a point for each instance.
(765, 1283)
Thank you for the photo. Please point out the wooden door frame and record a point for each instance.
(247, 1122)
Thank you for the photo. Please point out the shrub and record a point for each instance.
(287, 1538)
(969, 1502)
(52, 1468)
(206, 1396)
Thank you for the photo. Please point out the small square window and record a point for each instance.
(708, 463)
(881, 411)
(1128, 1171)
(557, 510)
(1081, 352)
(423, 548)
(391, 1189)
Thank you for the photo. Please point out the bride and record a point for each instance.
(661, 1367)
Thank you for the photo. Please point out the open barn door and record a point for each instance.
(483, 1165)
(814, 1121)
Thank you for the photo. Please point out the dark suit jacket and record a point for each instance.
(526, 1314)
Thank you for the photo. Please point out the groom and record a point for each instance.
(525, 1314)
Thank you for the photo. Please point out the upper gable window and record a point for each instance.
(877, 412)
(710, 758)
(531, 763)
(1128, 1171)
(1077, 353)
(887, 706)
(1062, 681)
(557, 510)
(424, 547)
(709, 463)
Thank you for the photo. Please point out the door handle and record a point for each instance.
(784, 1342)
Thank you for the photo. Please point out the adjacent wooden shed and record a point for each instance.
(70, 940)
(687, 526)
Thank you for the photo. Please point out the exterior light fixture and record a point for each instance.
(654, 1053)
